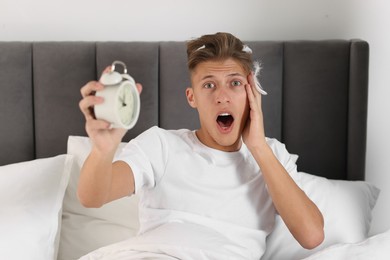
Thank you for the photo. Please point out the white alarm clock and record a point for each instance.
(121, 105)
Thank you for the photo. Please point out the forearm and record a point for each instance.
(95, 179)
(101, 180)
(299, 213)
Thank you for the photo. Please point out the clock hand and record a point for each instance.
(122, 100)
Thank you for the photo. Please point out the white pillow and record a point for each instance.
(85, 229)
(31, 195)
(346, 207)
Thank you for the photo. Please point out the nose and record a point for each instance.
(222, 96)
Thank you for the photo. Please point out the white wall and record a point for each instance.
(56, 20)
(167, 19)
(371, 21)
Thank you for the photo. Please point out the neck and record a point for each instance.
(208, 141)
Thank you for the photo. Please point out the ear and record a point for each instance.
(190, 97)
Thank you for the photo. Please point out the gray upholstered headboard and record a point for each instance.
(317, 102)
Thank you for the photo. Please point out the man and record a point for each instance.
(205, 194)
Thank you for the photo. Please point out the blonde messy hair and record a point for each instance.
(222, 46)
(215, 47)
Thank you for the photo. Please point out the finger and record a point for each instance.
(252, 82)
(254, 102)
(96, 125)
(86, 105)
(90, 88)
(250, 93)
(139, 87)
(106, 70)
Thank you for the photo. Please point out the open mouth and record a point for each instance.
(225, 120)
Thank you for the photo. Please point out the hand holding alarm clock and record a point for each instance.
(121, 106)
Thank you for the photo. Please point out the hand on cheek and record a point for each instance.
(253, 134)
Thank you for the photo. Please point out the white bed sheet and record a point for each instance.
(374, 248)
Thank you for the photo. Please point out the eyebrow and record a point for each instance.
(236, 74)
(230, 75)
(207, 77)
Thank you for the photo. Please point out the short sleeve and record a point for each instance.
(146, 155)
(285, 158)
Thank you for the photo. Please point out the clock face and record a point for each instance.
(121, 106)
(125, 104)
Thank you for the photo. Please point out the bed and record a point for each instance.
(316, 105)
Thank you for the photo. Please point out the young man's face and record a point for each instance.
(218, 93)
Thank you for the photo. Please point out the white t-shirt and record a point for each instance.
(198, 198)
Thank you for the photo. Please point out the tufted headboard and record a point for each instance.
(316, 102)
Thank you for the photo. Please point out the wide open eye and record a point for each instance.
(209, 85)
(236, 83)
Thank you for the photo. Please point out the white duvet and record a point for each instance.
(374, 248)
(173, 241)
